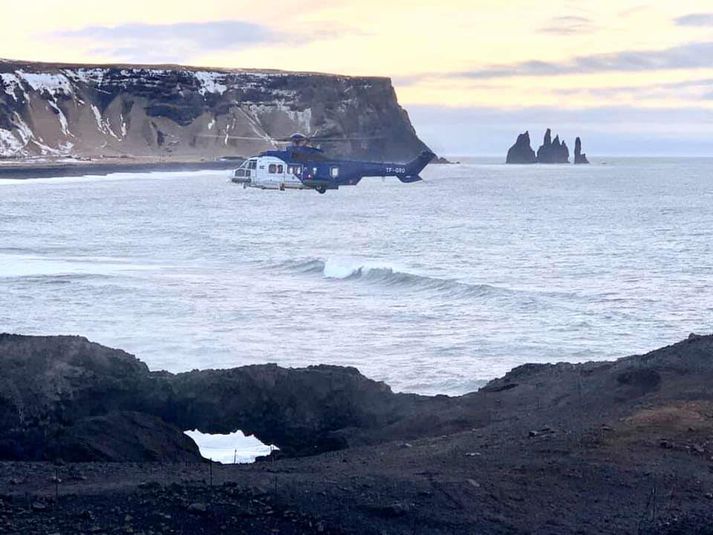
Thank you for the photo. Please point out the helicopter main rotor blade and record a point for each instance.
(332, 138)
(249, 138)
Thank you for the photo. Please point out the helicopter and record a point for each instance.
(303, 166)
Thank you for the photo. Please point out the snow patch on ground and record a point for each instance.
(103, 124)
(87, 76)
(301, 118)
(24, 131)
(60, 116)
(10, 145)
(210, 82)
(55, 84)
(10, 82)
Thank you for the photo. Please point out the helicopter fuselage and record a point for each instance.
(309, 168)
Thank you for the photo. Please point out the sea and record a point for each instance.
(435, 287)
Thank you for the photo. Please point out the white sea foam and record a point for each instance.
(344, 267)
(17, 266)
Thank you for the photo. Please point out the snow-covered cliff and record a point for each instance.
(182, 113)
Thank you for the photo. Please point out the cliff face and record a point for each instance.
(181, 113)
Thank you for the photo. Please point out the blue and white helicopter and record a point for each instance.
(302, 166)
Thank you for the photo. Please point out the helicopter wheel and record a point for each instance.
(322, 190)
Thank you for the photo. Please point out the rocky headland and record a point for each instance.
(552, 151)
(600, 447)
(74, 114)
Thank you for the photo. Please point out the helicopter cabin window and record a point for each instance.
(280, 169)
(272, 169)
(334, 171)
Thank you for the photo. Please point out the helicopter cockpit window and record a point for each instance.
(335, 172)
(252, 164)
(240, 172)
(272, 169)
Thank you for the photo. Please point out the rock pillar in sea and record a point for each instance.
(552, 151)
(579, 156)
(521, 152)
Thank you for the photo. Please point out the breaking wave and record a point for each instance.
(392, 277)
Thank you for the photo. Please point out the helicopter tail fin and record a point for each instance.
(414, 167)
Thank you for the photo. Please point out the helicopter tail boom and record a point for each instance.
(414, 167)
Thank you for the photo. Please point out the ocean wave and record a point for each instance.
(392, 277)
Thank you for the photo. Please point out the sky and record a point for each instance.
(632, 77)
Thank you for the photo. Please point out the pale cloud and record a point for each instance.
(208, 35)
(569, 25)
(696, 19)
(605, 131)
(164, 43)
(688, 56)
(558, 56)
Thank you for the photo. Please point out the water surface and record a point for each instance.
(432, 287)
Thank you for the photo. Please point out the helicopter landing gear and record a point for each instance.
(322, 190)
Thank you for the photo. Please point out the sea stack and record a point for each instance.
(521, 152)
(552, 151)
(579, 156)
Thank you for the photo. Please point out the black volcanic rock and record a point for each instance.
(579, 156)
(521, 152)
(65, 397)
(552, 151)
(64, 393)
(600, 447)
(125, 437)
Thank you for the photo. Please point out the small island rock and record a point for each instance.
(579, 156)
(552, 151)
(521, 152)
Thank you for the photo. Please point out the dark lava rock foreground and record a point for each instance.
(605, 447)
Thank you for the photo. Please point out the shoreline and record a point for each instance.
(35, 170)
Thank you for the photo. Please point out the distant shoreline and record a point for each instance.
(33, 170)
